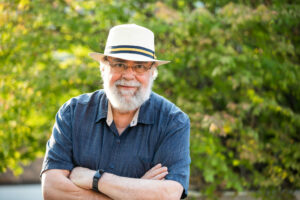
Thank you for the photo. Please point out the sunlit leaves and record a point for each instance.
(234, 71)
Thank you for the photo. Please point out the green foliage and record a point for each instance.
(235, 71)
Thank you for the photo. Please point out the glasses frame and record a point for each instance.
(127, 66)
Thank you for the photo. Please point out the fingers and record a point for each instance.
(156, 173)
(155, 167)
(160, 176)
(148, 174)
(159, 171)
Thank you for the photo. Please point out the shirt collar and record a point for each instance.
(146, 110)
(110, 117)
(102, 108)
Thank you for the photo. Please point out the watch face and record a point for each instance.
(98, 174)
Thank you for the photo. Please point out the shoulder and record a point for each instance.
(87, 99)
(168, 110)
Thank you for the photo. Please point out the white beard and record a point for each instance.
(124, 100)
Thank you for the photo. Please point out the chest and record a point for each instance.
(100, 146)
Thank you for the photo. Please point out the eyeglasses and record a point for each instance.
(120, 67)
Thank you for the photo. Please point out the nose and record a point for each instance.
(128, 74)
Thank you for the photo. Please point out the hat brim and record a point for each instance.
(99, 57)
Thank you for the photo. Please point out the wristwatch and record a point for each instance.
(96, 178)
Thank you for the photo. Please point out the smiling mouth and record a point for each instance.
(127, 87)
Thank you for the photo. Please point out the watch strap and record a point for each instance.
(96, 179)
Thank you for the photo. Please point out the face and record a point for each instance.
(127, 89)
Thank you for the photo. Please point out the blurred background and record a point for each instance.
(235, 71)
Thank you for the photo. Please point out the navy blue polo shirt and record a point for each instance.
(81, 137)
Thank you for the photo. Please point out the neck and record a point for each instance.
(117, 113)
(122, 119)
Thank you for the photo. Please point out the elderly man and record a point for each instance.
(123, 142)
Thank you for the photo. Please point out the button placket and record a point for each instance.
(115, 153)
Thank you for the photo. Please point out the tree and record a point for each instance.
(234, 71)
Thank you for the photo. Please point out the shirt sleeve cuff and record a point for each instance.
(57, 165)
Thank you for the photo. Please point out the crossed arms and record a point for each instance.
(172, 150)
(63, 184)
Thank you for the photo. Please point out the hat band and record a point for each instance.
(132, 49)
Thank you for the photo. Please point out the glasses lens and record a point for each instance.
(140, 68)
(118, 67)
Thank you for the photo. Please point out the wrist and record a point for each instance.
(82, 177)
(90, 179)
(96, 178)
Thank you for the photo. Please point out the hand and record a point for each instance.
(82, 177)
(156, 173)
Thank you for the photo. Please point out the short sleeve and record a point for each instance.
(59, 146)
(173, 151)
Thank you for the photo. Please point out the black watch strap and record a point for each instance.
(96, 179)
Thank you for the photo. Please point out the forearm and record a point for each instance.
(150, 186)
(118, 187)
(59, 186)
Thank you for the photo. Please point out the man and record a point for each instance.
(123, 142)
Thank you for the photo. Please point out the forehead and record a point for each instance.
(127, 61)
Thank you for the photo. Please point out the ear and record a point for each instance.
(154, 71)
(102, 66)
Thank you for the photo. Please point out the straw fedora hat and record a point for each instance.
(129, 42)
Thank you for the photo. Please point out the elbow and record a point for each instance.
(56, 185)
(172, 191)
(45, 192)
(46, 188)
(170, 195)
(46, 195)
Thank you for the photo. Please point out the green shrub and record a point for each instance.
(235, 71)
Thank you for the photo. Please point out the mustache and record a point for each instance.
(127, 83)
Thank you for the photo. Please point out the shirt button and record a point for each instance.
(118, 141)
